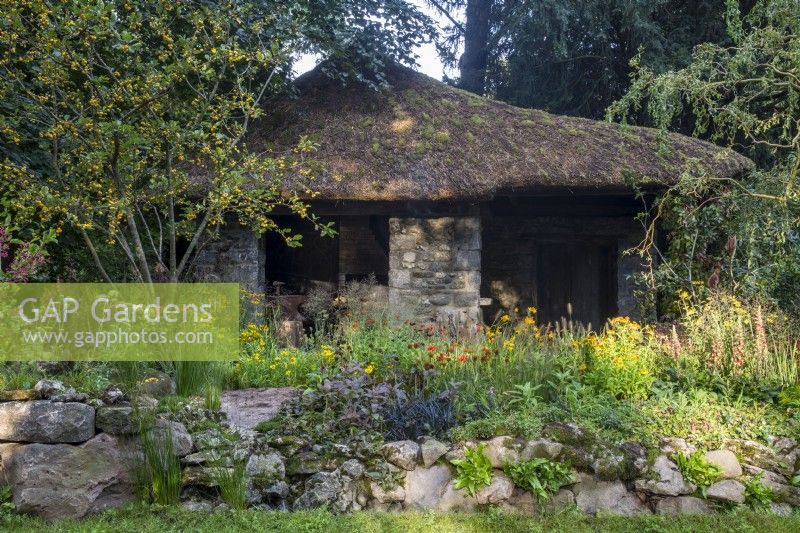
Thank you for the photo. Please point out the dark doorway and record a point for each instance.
(577, 281)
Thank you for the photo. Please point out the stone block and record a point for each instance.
(46, 422)
(62, 481)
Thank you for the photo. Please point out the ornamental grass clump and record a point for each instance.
(232, 484)
(158, 477)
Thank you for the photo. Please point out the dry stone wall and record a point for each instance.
(53, 475)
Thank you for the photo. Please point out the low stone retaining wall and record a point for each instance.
(65, 455)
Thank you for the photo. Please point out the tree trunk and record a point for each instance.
(475, 58)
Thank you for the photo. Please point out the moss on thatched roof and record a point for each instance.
(424, 140)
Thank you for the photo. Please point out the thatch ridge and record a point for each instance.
(424, 140)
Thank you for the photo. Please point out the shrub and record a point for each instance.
(540, 477)
(474, 471)
(697, 470)
(421, 414)
(622, 359)
(522, 423)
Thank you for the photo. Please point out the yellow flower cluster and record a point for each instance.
(284, 362)
(622, 358)
(327, 353)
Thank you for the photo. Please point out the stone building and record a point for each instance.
(460, 206)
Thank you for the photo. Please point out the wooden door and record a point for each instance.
(576, 276)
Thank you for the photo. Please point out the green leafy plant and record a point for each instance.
(232, 484)
(474, 471)
(539, 476)
(525, 395)
(757, 495)
(697, 470)
(6, 505)
(790, 396)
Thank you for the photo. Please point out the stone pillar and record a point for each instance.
(237, 256)
(435, 268)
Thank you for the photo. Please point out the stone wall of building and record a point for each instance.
(435, 268)
(237, 256)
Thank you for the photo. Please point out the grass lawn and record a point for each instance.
(163, 520)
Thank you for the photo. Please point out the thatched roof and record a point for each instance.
(424, 140)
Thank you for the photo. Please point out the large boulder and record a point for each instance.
(46, 422)
(502, 450)
(666, 479)
(265, 469)
(499, 490)
(431, 450)
(7, 449)
(245, 408)
(164, 429)
(116, 420)
(62, 481)
(405, 453)
(321, 489)
(48, 388)
(757, 454)
(683, 505)
(727, 490)
(541, 448)
(593, 496)
(19, 395)
(424, 487)
(157, 384)
(389, 494)
(727, 461)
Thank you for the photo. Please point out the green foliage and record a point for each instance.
(697, 470)
(572, 56)
(213, 397)
(621, 360)
(232, 484)
(346, 408)
(741, 235)
(6, 504)
(540, 477)
(474, 471)
(728, 340)
(522, 423)
(708, 419)
(196, 377)
(790, 396)
(138, 518)
(158, 478)
(524, 395)
(757, 495)
(108, 105)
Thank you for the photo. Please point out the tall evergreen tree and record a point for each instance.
(571, 56)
